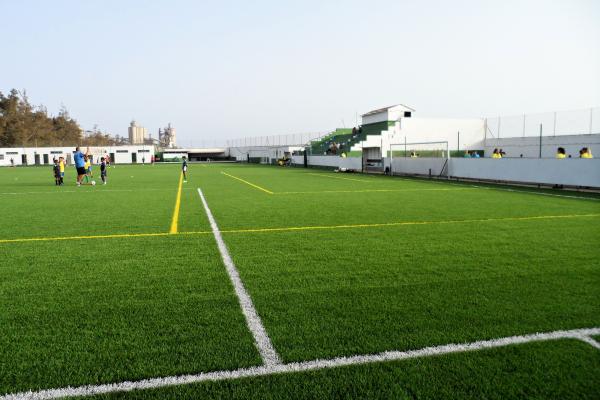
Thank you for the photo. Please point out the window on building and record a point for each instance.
(407, 114)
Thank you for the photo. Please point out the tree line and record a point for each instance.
(25, 125)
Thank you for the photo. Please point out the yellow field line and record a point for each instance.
(352, 226)
(118, 235)
(300, 228)
(340, 177)
(175, 220)
(248, 183)
(375, 190)
(98, 190)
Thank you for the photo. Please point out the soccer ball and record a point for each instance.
(93, 183)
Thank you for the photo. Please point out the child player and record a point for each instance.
(61, 164)
(56, 170)
(88, 169)
(184, 169)
(103, 167)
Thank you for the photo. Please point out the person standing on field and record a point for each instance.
(56, 171)
(184, 169)
(79, 159)
(103, 168)
(61, 166)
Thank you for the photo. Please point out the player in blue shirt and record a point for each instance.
(79, 159)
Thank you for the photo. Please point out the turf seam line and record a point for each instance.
(340, 177)
(248, 183)
(375, 190)
(175, 220)
(538, 193)
(313, 365)
(384, 224)
(261, 338)
(590, 340)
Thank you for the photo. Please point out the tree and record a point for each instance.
(22, 124)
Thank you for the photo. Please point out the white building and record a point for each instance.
(44, 155)
(392, 126)
(137, 134)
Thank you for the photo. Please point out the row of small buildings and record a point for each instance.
(17, 156)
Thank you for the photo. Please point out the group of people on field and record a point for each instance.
(83, 165)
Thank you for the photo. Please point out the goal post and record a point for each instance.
(419, 158)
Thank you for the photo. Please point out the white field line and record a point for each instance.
(261, 338)
(590, 340)
(153, 383)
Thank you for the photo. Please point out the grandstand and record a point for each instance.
(341, 136)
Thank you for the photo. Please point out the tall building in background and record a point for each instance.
(137, 134)
(166, 137)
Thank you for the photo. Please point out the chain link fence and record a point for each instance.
(296, 139)
(573, 122)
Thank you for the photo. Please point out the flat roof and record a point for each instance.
(380, 110)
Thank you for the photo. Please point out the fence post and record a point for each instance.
(540, 141)
(499, 118)
(524, 125)
(554, 134)
(485, 128)
(457, 143)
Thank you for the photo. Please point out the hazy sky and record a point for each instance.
(225, 69)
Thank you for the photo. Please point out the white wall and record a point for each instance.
(573, 172)
(417, 166)
(530, 146)
(415, 130)
(390, 114)
(169, 156)
(330, 161)
(241, 153)
(549, 171)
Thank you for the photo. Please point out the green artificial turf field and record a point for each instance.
(94, 289)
